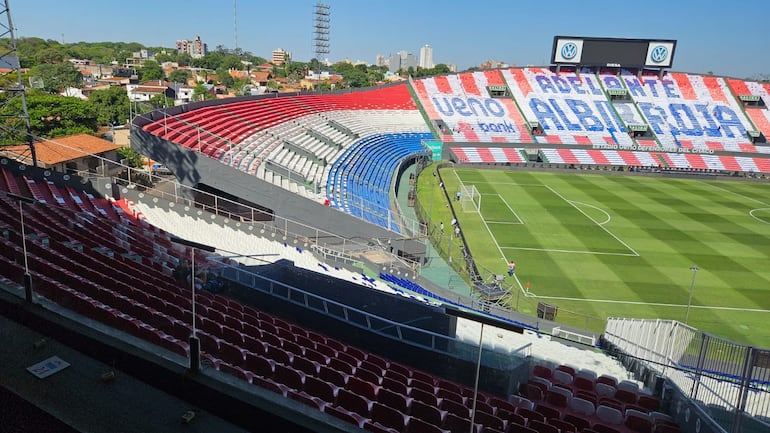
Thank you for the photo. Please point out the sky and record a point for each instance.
(723, 37)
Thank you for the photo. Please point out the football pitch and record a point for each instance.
(604, 245)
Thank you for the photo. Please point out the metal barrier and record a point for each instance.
(730, 380)
(322, 241)
(369, 321)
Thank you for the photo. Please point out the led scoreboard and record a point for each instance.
(613, 52)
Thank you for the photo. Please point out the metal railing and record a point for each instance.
(723, 376)
(369, 321)
(171, 191)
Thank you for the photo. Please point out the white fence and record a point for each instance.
(728, 379)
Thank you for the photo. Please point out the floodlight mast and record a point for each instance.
(10, 59)
(321, 27)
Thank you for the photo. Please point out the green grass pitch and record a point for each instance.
(602, 245)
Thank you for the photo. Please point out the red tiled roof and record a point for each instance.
(149, 89)
(63, 149)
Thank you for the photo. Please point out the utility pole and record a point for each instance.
(10, 60)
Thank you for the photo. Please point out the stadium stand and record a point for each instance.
(760, 116)
(294, 142)
(489, 155)
(690, 111)
(570, 108)
(110, 264)
(95, 276)
(360, 180)
(468, 111)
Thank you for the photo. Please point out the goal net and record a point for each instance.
(470, 198)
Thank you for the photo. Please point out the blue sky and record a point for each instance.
(725, 37)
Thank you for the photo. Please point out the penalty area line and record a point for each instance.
(654, 304)
(594, 221)
(549, 250)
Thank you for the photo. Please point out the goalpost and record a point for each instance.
(470, 198)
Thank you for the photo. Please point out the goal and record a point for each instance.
(470, 198)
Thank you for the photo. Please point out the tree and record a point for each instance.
(111, 104)
(53, 116)
(225, 78)
(200, 92)
(132, 157)
(441, 69)
(151, 70)
(179, 76)
(50, 55)
(58, 76)
(161, 101)
(231, 62)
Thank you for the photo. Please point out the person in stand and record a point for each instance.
(182, 273)
(511, 268)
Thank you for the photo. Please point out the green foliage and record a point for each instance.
(200, 93)
(111, 104)
(225, 78)
(151, 71)
(51, 116)
(179, 76)
(296, 70)
(353, 76)
(50, 55)
(58, 76)
(35, 51)
(132, 157)
(161, 101)
(427, 72)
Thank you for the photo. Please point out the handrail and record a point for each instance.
(364, 319)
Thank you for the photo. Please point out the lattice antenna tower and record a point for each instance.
(235, 23)
(321, 28)
(13, 85)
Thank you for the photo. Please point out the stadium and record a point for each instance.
(359, 241)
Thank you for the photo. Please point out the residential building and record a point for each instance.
(280, 56)
(138, 58)
(394, 62)
(72, 154)
(146, 90)
(196, 48)
(407, 60)
(493, 64)
(380, 60)
(426, 57)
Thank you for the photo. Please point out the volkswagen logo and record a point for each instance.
(659, 54)
(569, 51)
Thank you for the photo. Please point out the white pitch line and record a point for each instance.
(600, 226)
(609, 218)
(502, 254)
(655, 304)
(738, 194)
(513, 184)
(511, 209)
(510, 223)
(549, 250)
(751, 214)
